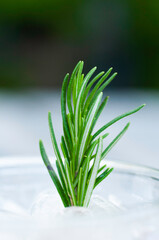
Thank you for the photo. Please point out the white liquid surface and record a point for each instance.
(48, 219)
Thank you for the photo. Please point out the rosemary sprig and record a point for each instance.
(79, 171)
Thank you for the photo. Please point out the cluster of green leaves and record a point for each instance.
(79, 170)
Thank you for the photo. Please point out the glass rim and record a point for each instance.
(118, 165)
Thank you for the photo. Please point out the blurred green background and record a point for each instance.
(42, 40)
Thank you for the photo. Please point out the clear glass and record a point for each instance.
(128, 206)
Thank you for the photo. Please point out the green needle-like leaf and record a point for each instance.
(85, 160)
(92, 94)
(91, 84)
(63, 181)
(70, 185)
(64, 149)
(117, 119)
(103, 176)
(116, 139)
(63, 108)
(106, 83)
(96, 142)
(89, 122)
(70, 125)
(94, 173)
(56, 150)
(79, 100)
(103, 104)
(79, 187)
(54, 143)
(101, 168)
(53, 174)
(85, 173)
(84, 181)
(69, 90)
(79, 77)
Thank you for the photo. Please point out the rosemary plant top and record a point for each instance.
(79, 170)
